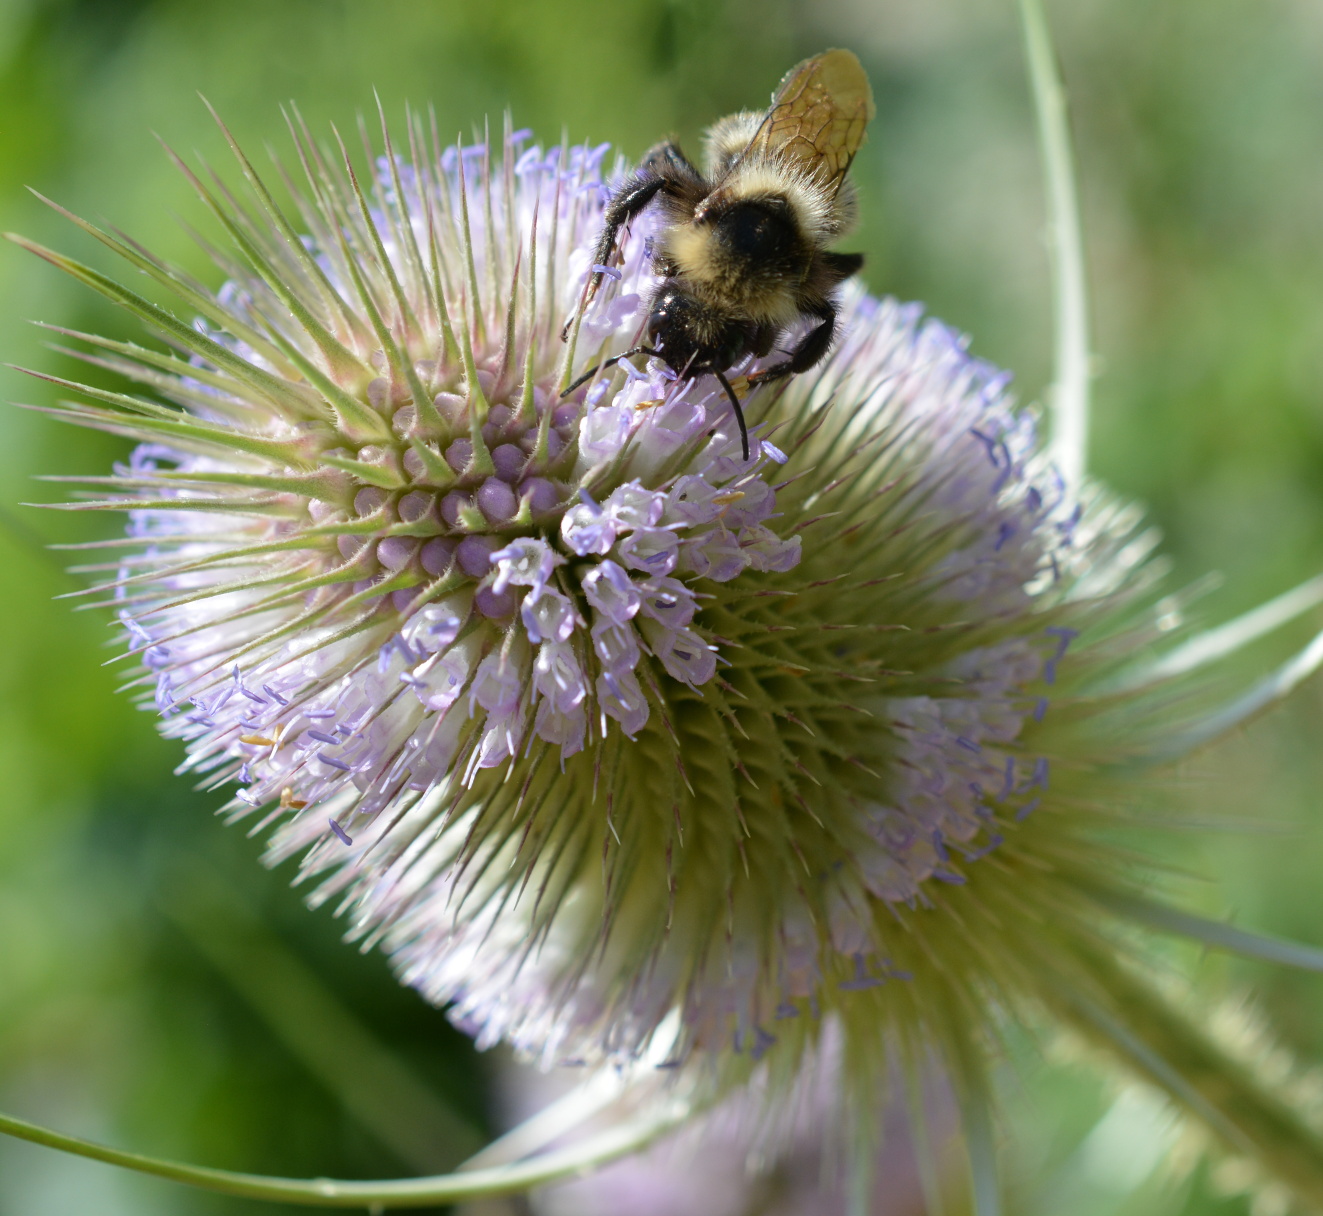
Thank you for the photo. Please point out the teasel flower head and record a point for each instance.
(624, 746)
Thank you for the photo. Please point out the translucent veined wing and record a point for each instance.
(818, 116)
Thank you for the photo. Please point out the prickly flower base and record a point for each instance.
(621, 744)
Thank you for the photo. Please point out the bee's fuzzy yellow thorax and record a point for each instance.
(773, 176)
(696, 254)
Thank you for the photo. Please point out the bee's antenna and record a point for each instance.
(592, 371)
(739, 412)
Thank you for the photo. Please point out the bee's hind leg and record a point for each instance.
(810, 351)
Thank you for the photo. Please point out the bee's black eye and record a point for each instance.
(757, 231)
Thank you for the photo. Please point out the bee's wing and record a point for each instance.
(818, 117)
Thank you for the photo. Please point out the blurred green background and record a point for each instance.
(157, 987)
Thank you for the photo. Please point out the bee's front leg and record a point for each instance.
(625, 204)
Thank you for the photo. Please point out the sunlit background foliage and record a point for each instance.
(158, 988)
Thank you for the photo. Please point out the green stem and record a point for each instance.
(1136, 1022)
(405, 1192)
(1070, 389)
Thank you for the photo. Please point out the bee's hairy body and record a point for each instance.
(742, 250)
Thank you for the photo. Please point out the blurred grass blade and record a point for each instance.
(25, 538)
(1135, 1022)
(1224, 640)
(1274, 687)
(370, 1081)
(1215, 933)
(1070, 388)
(972, 1087)
(1101, 1025)
(981, 1148)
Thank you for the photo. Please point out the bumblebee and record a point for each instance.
(743, 252)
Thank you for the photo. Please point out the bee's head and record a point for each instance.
(672, 326)
(692, 334)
